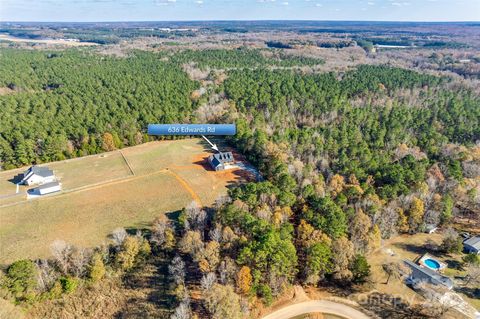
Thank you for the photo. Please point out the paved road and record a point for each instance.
(323, 306)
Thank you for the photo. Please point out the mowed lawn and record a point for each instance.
(104, 195)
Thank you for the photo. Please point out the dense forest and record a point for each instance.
(66, 102)
(349, 159)
(75, 103)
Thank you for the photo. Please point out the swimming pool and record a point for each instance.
(431, 263)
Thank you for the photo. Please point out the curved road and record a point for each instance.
(323, 306)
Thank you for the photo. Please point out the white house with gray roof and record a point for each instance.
(472, 245)
(422, 274)
(37, 175)
(221, 160)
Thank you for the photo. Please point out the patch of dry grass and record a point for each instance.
(87, 215)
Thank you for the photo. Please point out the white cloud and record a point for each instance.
(285, 3)
(370, 3)
(164, 2)
(400, 4)
(319, 5)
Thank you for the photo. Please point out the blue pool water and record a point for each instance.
(433, 264)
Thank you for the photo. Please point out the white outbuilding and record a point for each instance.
(45, 189)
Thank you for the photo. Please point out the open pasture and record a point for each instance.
(100, 194)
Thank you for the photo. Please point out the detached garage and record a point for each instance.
(46, 189)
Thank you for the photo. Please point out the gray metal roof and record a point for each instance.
(48, 185)
(473, 242)
(224, 157)
(40, 171)
(420, 273)
(215, 162)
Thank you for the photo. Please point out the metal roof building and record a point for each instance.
(422, 274)
(472, 245)
(47, 188)
(219, 161)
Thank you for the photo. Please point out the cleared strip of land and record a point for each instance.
(7, 37)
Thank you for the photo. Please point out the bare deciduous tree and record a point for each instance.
(195, 217)
(46, 275)
(216, 233)
(473, 275)
(118, 236)
(158, 229)
(183, 311)
(80, 259)
(394, 269)
(61, 251)
(222, 201)
(208, 280)
(387, 221)
(177, 270)
(228, 271)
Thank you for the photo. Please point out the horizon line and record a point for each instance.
(242, 20)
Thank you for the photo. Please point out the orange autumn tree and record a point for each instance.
(244, 280)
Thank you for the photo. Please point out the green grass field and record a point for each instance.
(88, 213)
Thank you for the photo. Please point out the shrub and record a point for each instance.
(265, 292)
(69, 284)
(360, 269)
(22, 278)
(471, 259)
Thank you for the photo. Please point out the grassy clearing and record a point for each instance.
(73, 174)
(86, 216)
(154, 156)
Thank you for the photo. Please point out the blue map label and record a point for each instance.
(192, 129)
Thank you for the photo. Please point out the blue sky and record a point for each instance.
(169, 10)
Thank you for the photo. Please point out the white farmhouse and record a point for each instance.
(36, 175)
(220, 161)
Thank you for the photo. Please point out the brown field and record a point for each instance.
(100, 194)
